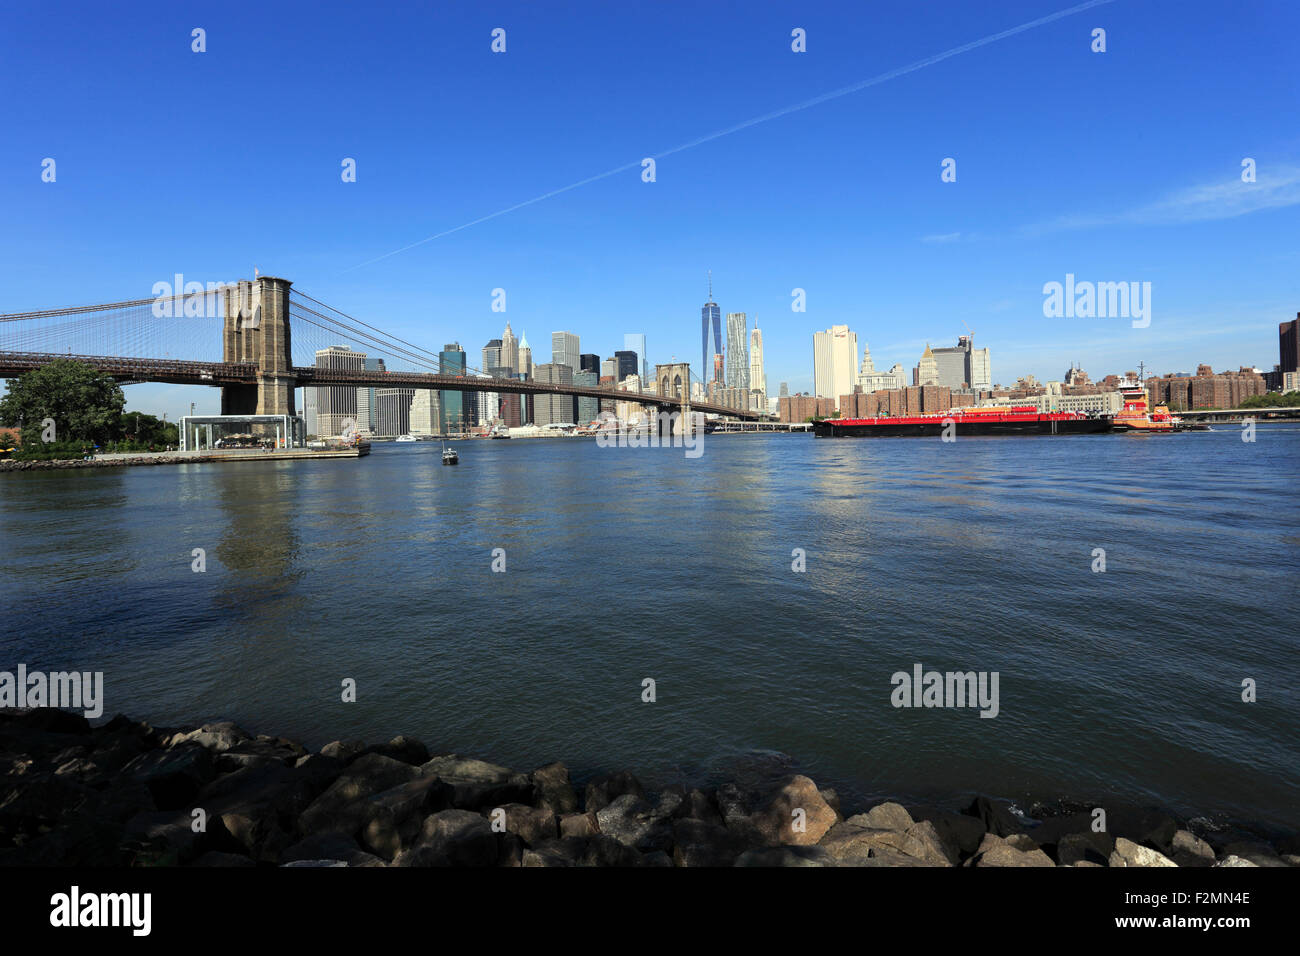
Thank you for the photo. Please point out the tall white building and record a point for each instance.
(509, 350)
(757, 380)
(393, 411)
(336, 405)
(564, 350)
(873, 381)
(426, 417)
(835, 354)
(525, 366)
(737, 351)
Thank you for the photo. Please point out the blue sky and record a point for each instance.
(1115, 166)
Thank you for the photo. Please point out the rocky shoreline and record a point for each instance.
(129, 794)
(61, 463)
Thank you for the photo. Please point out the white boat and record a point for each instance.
(449, 456)
(406, 438)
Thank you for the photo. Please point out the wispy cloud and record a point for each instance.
(1275, 189)
(943, 237)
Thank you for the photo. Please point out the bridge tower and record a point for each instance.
(256, 330)
(673, 380)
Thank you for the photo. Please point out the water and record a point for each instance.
(627, 564)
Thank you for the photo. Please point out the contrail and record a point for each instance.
(766, 117)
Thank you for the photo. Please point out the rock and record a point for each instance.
(452, 838)
(656, 858)
(634, 822)
(1187, 849)
(961, 834)
(340, 807)
(330, 846)
(168, 836)
(996, 817)
(262, 750)
(603, 791)
(698, 805)
(1235, 861)
(853, 842)
(795, 815)
(391, 819)
(832, 798)
(533, 825)
(403, 748)
(599, 850)
(1153, 828)
(1086, 846)
(1261, 854)
(218, 737)
(579, 825)
(786, 856)
(174, 777)
(477, 784)
(345, 751)
(1128, 853)
(706, 843)
(887, 816)
(554, 790)
(996, 851)
(48, 720)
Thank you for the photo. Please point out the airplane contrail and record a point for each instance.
(766, 117)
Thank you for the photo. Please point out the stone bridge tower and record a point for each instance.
(256, 330)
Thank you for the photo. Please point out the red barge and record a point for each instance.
(1009, 420)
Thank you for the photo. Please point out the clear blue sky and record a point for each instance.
(1122, 166)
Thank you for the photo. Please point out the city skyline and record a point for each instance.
(843, 199)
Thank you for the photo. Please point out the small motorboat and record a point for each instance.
(405, 438)
(449, 456)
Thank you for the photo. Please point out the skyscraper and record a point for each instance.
(709, 314)
(927, 372)
(553, 409)
(635, 342)
(491, 355)
(588, 362)
(366, 400)
(393, 411)
(629, 363)
(426, 413)
(963, 365)
(835, 354)
(587, 408)
(337, 404)
(509, 350)
(564, 350)
(1288, 345)
(525, 366)
(737, 351)
(452, 362)
(757, 380)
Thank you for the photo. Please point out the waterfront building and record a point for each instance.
(553, 409)
(393, 411)
(452, 404)
(487, 405)
(589, 362)
(738, 350)
(963, 366)
(588, 409)
(366, 400)
(1288, 345)
(835, 353)
(719, 372)
(426, 413)
(635, 342)
(709, 315)
(564, 350)
(509, 351)
(609, 368)
(800, 407)
(311, 420)
(870, 380)
(336, 405)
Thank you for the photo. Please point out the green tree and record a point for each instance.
(85, 404)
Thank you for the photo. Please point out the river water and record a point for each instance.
(628, 564)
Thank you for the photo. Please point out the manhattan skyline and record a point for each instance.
(1115, 166)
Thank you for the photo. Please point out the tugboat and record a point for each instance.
(449, 456)
(1135, 416)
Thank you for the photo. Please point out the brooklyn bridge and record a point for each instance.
(267, 335)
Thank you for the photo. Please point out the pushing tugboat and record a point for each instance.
(449, 456)
(1013, 420)
(1135, 416)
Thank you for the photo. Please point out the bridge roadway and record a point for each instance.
(178, 372)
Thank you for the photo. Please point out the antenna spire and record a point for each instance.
(710, 285)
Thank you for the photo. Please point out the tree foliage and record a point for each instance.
(85, 404)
